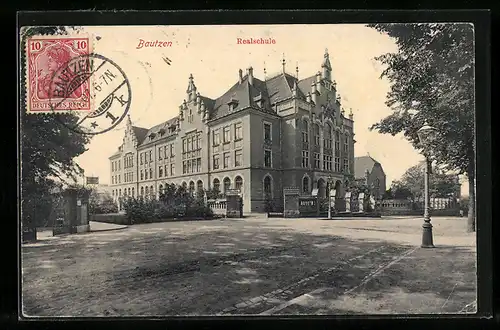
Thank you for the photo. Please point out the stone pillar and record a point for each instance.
(233, 200)
(348, 202)
(291, 202)
(70, 213)
(82, 203)
(361, 202)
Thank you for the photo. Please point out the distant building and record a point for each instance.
(259, 136)
(370, 172)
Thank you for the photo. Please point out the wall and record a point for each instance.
(115, 218)
(378, 173)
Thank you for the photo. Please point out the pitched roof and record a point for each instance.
(140, 133)
(305, 84)
(156, 130)
(361, 164)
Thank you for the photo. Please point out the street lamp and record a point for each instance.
(330, 185)
(424, 133)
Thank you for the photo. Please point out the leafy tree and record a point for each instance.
(432, 82)
(441, 185)
(48, 147)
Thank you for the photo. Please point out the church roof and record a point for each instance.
(361, 164)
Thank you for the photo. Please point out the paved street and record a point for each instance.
(253, 266)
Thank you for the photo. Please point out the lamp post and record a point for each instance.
(330, 184)
(424, 134)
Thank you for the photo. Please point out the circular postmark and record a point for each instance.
(95, 90)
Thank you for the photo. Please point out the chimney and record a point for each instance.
(250, 75)
(240, 76)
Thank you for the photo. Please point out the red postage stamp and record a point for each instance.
(58, 74)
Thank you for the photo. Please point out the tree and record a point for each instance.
(48, 147)
(411, 185)
(432, 82)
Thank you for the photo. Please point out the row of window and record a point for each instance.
(226, 134)
(226, 159)
(327, 139)
(327, 162)
(115, 179)
(115, 165)
(166, 170)
(191, 166)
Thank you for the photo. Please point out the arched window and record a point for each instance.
(191, 187)
(268, 186)
(160, 188)
(128, 191)
(113, 193)
(316, 134)
(238, 183)
(216, 185)
(151, 191)
(142, 191)
(328, 136)
(305, 184)
(184, 185)
(227, 184)
(147, 190)
(133, 192)
(199, 186)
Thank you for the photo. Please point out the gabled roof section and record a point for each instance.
(361, 164)
(156, 131)
(140, 133)
(305, 84)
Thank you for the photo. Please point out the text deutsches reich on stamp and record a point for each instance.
(71, 89)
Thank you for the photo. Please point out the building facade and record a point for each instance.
(370, 172)
(259, 137)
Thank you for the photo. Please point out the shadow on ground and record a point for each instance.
(238, 270)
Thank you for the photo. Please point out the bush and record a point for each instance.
(173, 203)
(104, 207)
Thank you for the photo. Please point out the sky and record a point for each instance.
(213, 56)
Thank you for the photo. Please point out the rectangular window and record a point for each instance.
(337, 164)
(216, 137)
(119, 178)
(346, 166)
(160, 153)
(112, 166)
(119, 165)
(166, 170)
(150, 156)
(346, 144)
(150, 173)
(238, 131)
(172, 169)
(216, 162)
(145, 174)
(142, 175)
(193, 166)
(165, 153)
(267, 132)
(160, 171)
(317, 163)
(142, 158)
(198, 165)
(198, 142)
(327, 163)
(238, 158)
(305, 137)
(184, 167)
(227, 159)
(267, 158)
(113, 179)
(305, 158)
(227, 134)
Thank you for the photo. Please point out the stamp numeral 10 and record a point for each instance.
(37, 45)
(81, 44)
